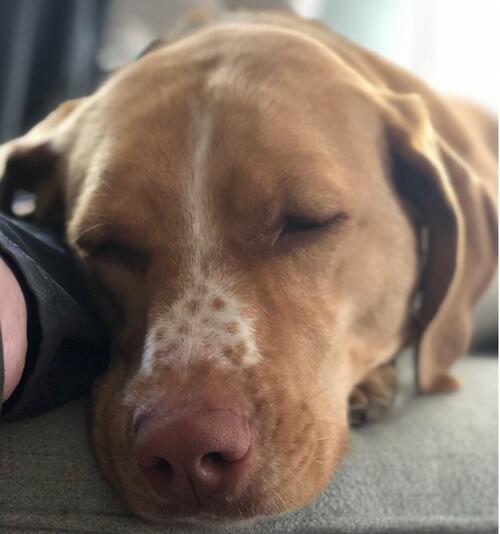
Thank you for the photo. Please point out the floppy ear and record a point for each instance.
(33, 163)
(457, 221)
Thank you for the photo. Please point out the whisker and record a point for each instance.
(318, 393)
(239, 511)
(280, 498)
(323, 438)
(89, 229)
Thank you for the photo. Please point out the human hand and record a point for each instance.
(13, 326)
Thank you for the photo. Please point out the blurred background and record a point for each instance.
(52, 50)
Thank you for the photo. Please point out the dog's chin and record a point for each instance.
(242, 511)
(213, 522)
(234, 517)
(246, 509)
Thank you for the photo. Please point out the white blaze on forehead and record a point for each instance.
(196, 184)
(208, 321)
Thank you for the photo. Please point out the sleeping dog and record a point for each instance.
(266, 215)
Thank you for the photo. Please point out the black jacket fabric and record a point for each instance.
(67, 345)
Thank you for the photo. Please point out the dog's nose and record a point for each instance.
(194, 458)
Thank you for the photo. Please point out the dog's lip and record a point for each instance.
(215, 514)
(213, 521)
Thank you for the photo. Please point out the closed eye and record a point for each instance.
(297, 226)
(118, 252)
(293, 224)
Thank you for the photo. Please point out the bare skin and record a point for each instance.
(13, 325)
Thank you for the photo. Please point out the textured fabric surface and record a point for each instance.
(430, 466)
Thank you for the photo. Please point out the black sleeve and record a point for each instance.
(67, 345)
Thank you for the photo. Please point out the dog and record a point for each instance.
(266, 214)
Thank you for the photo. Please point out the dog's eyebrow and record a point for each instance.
(102, 233)
(311, 198)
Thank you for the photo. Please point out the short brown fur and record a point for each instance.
(304, 121)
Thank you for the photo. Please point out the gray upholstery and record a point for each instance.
(431, 466)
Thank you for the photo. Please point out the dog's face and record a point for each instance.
(253, 263)
(231, 231)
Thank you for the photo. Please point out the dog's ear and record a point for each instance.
(34, 164)
(457, 222)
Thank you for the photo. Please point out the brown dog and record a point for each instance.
(267, 214)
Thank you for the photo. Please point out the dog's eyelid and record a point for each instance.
(116, 249)
(292, 223)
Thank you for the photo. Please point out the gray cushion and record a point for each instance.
(430, 466)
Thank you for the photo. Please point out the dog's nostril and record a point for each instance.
(163, 468)
(213, 461)
(160, 475)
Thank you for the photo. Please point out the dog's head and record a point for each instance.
(246, 209)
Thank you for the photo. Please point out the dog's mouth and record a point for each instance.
(261, 490)
(201, 466)
(213, 453)
(237, 513)
(257, 488)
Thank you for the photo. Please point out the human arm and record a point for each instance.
(66, 343)
(13, 330)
